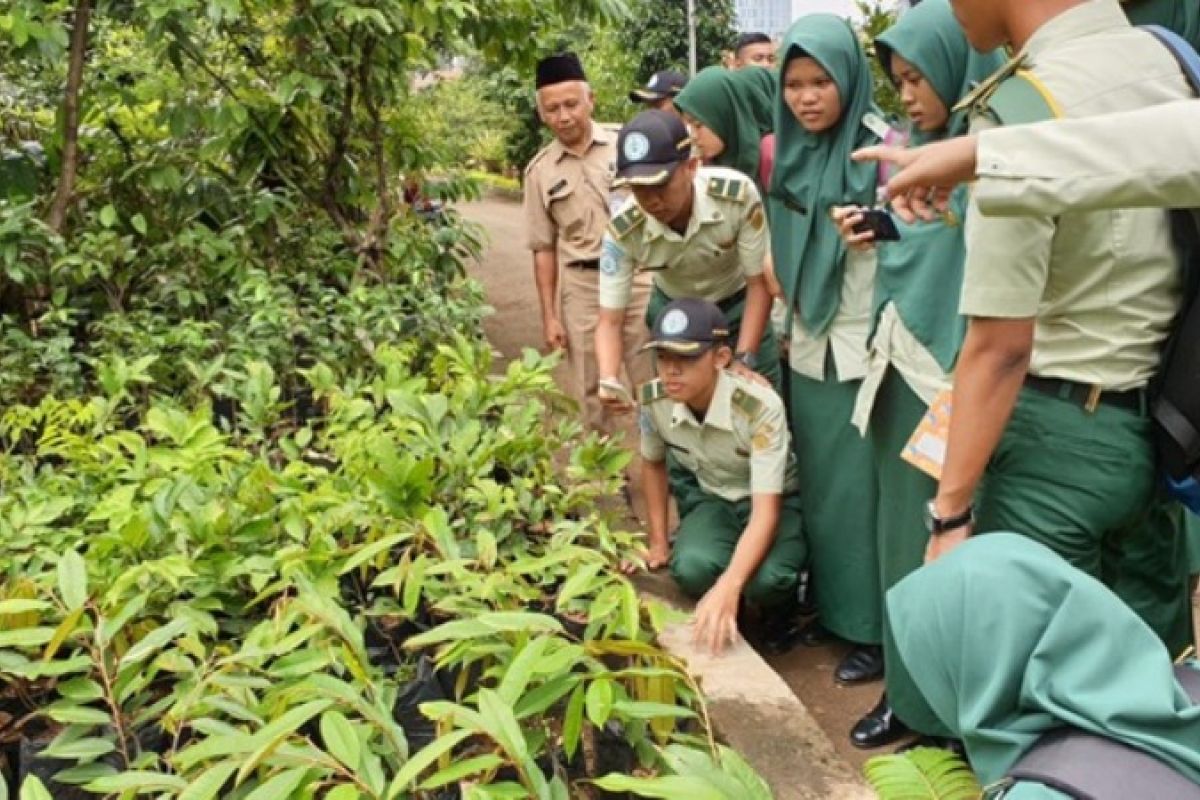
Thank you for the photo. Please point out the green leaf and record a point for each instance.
(72, 580)
(340, 739)
(18, 606)
(139, 223)
(501, 725)
(600, 698)
(634, 710)
(155, 640)
(34, 789)
(462, 769)
(668, 787)
(484, 625)
(924, 772)
(209, 783)
(81, 748)
(69, 714)
(108, 216)
(423, 759)
(520, 670)
(273, 734)
(63, 632)
(573, 722)
(137, 782)
(347, 791)
(281, 786)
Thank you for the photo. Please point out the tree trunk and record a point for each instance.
(70, 152)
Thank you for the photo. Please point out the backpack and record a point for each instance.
(1175, 391)
(1089, 767)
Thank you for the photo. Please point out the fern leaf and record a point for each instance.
(924, 773)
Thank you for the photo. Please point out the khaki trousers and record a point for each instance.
(579, 309)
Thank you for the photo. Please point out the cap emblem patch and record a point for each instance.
(637, 146)
(675, 322)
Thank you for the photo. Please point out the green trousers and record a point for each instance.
(1084, 484)
(1191, 526)
(903, 492)
(709, 530)
(768, 349)
(838, 495)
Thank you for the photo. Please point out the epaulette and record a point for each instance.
(977, 98)
(734, 189)
(534, 161)
(1021, 99)
(745, 402)
(626, 221)
(652, 391)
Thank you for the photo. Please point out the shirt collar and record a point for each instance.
(600, 138)
(1082, 20)
(705, 211)
(718, 409)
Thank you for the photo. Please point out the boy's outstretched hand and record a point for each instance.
(927, 176)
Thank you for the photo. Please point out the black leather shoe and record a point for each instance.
(879, 728)
(940, 742)
(814, 634)
(777, 635)
(863, 664)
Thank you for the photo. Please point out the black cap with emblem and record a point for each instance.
(661, 85)
(689, 326)
(559, 69)
(650, 148)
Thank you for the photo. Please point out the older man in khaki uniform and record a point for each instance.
(568, 198)
(1050, 433)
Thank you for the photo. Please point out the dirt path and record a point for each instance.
(507, 276)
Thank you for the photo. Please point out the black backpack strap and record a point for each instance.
(1182, 432)
(1089, 767)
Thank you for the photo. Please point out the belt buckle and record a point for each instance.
(1093, 398)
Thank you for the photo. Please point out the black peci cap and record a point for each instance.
(650, 148)
(689, 327)
(660, 86)
(559, 69)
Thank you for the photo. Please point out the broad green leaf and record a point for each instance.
(137, 782)
(667, 787)
(271, 736)
(70, 714)
(520, 670)
(281, 786)
(108, 216)
(347, 791)
(34, 789)
(635, 710)
(26, 637)
(484, 625)
(81, 748)
(63, 632)
(501, 725)
(209, 783)
(340, 738)
(573, 722)
(462, 769)
(155, 640)
(423, 759)
(20, 606)
(139, 223)
(600, 698)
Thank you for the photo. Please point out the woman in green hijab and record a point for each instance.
(729, 113)
(917, 330)
(822, 114)
(1008, 642)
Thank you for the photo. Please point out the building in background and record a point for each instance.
(771, 17)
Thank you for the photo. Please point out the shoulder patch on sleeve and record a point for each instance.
(757, 217)
(652, 391)
(734, 189)
(1022, 98)
(626, 221)
(745, 402)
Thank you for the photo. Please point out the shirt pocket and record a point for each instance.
(685, 457)
(567, 207)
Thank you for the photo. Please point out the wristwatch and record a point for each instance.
(746, 358)
(938, 525)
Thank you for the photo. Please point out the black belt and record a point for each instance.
(726, 304)
(1089, 396)
(587, 263)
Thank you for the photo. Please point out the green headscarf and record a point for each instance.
(1181, 16)
(736, 105)
(813, 172)
(1006, 641)
(922, 273)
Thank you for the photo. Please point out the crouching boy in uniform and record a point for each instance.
(739, 543)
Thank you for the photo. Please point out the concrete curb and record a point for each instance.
(756, 713)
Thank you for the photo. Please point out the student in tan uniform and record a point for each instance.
(1050, 431)
(568, 199)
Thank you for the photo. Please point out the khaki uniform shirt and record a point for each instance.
(725, 242)
(741, 447)
(1102, 286)
(847, 334)
(1051, 167)
(567, 198)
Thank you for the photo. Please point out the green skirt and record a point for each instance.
(838, 490)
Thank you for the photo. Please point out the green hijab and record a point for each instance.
(1007, 641)
(922, 273)
(1181, 16)
(736, 105)
(813, 172)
